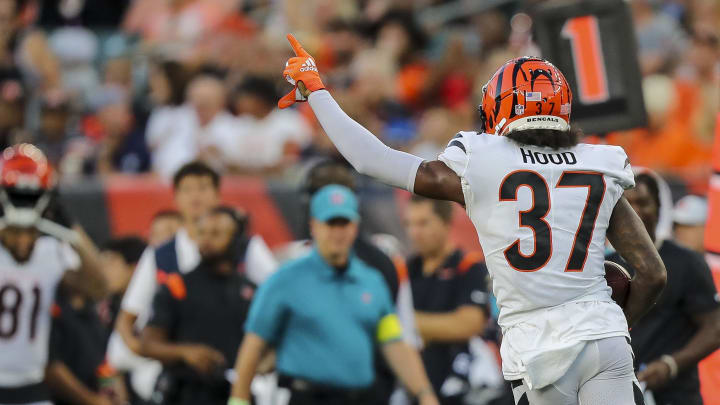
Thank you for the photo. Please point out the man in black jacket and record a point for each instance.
(684, 326)
(198, 317)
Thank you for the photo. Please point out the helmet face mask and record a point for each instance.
(23, 210)
(524, 94)
(27, 182)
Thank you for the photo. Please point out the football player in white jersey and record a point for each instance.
(542, 205)
(35, 254)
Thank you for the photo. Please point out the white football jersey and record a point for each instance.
(27, 291)
(541, 217)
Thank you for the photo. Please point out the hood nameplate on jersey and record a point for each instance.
(541, 158)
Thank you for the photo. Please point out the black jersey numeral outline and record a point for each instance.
(11, 307)
(534, 217)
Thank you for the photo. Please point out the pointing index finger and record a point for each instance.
(299, 51)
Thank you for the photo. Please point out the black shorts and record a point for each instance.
(303, 392)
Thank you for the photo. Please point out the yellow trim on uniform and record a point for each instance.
(389, 329)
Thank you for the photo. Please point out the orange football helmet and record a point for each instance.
(24, 166)
(26, 181)
(526, 93)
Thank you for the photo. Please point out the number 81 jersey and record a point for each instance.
(541, 217)
(27, 291)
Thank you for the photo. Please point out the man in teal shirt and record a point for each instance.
(323, 314)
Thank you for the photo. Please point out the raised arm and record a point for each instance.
(89, 278)
(629, 237)
(365, 152)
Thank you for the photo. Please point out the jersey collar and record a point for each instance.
(452, 261)
(328, 272)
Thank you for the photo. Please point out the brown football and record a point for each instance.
(619, 280)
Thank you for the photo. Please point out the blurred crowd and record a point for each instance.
(148, 85)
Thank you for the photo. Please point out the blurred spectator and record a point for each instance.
(105, 14)
(689, 216)
(433, 134)
(164, 225)
(25, 48)
(309, 15)
(198, 317)
(267, 139)
(659, 38)
(379, 56)
(449, 294)
(342, 41)
(196, 190)
(167, 83)
(173, 27)
(121, 144)
(666, 144)
(704, 73)
(77, 372)
(76, 49)
(118, 72)
(400, 37)
(56, 131)
(202, 130)
(331, 172)
(119, 258)
(329, 361)
(697, 81)
(12, 109)
(667, 362)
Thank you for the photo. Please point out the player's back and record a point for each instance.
(541, 216)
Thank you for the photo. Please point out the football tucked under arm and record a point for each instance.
(628, 235)
(619, 281)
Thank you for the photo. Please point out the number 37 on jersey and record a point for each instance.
(534, 218)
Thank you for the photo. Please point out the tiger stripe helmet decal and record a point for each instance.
(526, 93)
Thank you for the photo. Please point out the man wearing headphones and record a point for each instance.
(198, 317)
